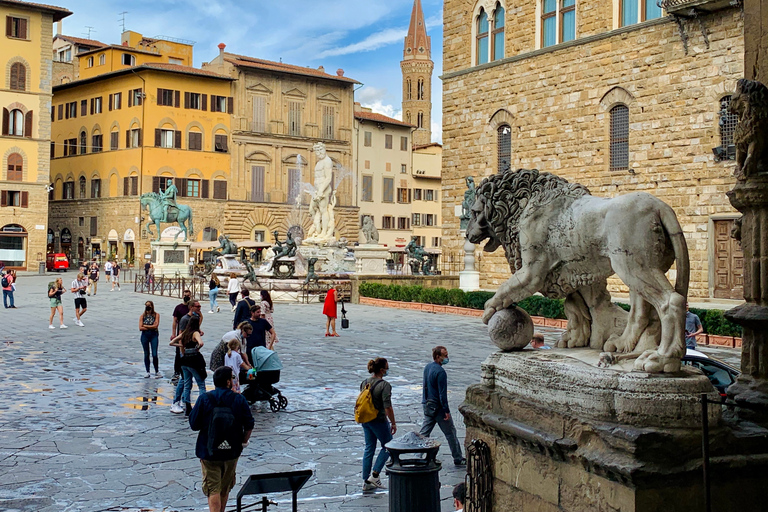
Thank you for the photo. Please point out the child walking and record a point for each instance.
(234, 360)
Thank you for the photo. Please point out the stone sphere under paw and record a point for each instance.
(510, 329)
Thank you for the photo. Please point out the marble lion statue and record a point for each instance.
(564, 243)
(750, 103)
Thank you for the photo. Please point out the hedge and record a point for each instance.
(713, 320)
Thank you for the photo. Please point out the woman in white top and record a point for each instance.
(233, 288)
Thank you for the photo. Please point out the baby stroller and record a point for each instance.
(267, 366)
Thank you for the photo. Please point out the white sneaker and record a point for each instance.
(51, 326)
(368, 486)
(211, 312)
(158, 375)
(176, 408)
(62, 326)
(74, 319)
(234, 308)
(376, 482)
(81, 324)
(146, 376)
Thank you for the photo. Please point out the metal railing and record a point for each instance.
(445, 264)
(171, 286)
(318, 289)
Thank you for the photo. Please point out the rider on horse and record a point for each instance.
(168, 197)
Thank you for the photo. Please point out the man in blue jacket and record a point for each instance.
(435, 402)
(225, 422)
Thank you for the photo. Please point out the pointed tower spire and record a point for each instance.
(417, 43)
(417, 69)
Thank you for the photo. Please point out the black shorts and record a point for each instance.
(81, 303)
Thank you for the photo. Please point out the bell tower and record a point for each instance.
(417, 69)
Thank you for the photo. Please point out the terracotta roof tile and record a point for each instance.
(81, 41)
(380, 118)
(251, 62)
(166, 66)
(58, 12)
(158, 66)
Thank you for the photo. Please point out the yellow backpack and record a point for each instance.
(364, 408)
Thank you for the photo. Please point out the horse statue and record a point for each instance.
(180, 213)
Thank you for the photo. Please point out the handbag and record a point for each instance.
(344, 319)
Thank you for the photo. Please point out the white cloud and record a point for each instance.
(372, 42)
(437, 132)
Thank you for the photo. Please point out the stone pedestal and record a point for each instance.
(469, 278)
(567, 436)
(371, 259)
(330, 259)
(170, 258)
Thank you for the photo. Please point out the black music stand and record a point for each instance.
(275, 482)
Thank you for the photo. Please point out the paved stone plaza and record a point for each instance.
(81, 429)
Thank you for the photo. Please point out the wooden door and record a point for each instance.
(729, 263)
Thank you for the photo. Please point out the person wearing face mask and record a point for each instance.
(178, 313)
(435, 402)
(377, 429)
(148, 324)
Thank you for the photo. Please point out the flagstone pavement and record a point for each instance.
(82, 430)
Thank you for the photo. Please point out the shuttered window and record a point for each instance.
(257, 183)
(195, 141)
(15, 167)
(95, 188)
(388, 194)
(329, 128)
(367, 188)
(167, 97)
(14, 198)
(619, 142)
(114, 140)
(388, 141)
(83, 108)
(219, 189)
(16, 27)
(221, 104)
(259, 114)
(97, 143)
(18, 77)
(94, 226)
(294, 118)
(367, 139)
(220, 143)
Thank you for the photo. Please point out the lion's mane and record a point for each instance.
(508, 194)
(751, 104)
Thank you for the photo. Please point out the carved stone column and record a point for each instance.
(750, 197)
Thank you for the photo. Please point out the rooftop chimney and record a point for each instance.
(340, 72)
(58, 27)
(321, 69)
(221, 49)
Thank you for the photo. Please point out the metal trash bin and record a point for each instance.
(414, 483)
(41, 268)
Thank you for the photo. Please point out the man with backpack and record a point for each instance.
(225, 423)
(243, 309)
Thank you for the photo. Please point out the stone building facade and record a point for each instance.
(25, 99)
(280, 112)
(593, 93)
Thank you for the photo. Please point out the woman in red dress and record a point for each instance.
(329, 310)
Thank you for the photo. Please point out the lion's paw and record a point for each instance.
(615, 343)
(487, 314)
(652, 362)
(606, 359)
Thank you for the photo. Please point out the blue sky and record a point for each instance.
(364, 37)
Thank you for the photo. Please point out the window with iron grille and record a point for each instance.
(727, 124)
(504, 142)
(619, 143)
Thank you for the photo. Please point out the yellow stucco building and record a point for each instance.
(25, 97)
(127, 131)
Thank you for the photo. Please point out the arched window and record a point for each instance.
(504, 147)
(16, 123)
(81, 182)
(420, 89)
(482, 37)
(18, 77)
(420, 120)
(408, 91)
(619, 144)
(15, 167)
(498, 33)
(83, 142)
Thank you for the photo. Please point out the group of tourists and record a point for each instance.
(81, 287)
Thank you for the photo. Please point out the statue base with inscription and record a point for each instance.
(170, 258)
(565, 435)
(371, 259)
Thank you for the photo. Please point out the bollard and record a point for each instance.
(414, 483)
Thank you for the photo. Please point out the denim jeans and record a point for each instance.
(190, 372)
(149, 339)
(6, 295)
(375, 430)
(448, 428)
(212, 298)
